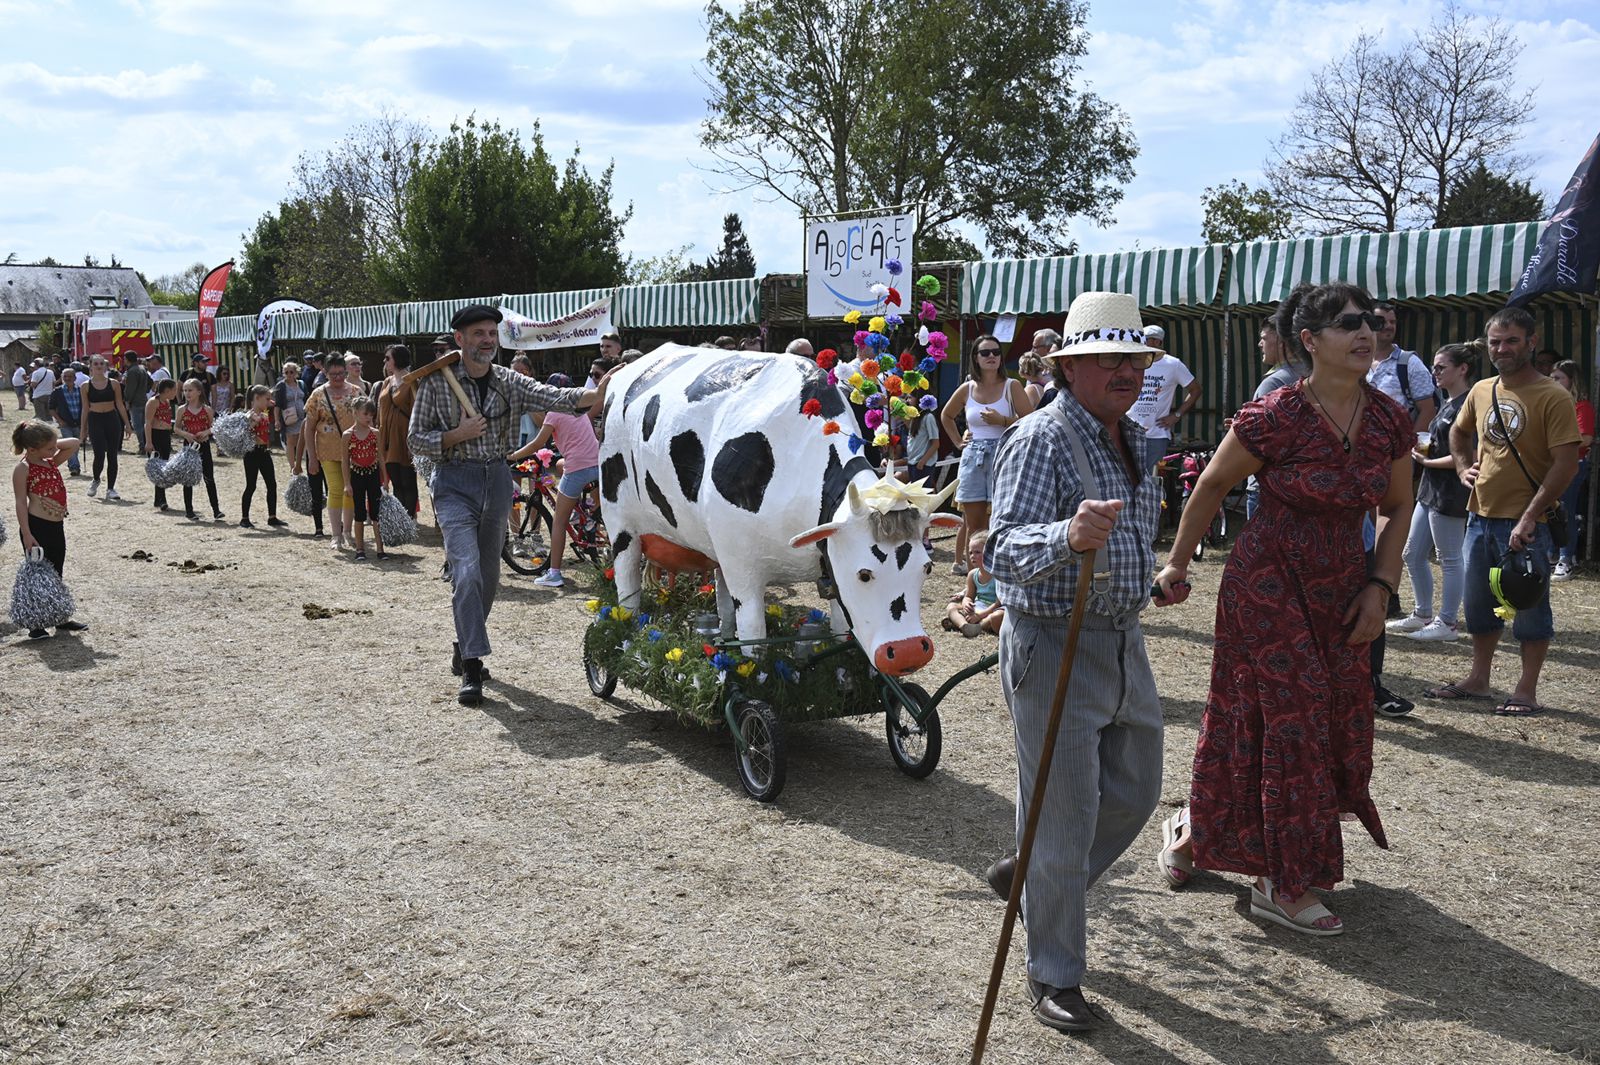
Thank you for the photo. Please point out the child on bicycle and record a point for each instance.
(580, 452)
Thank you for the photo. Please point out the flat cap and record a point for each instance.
(474, 313)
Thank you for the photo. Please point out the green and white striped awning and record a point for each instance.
(688, 304)
(359, 323)
(433, 316)
(236, 329)
(1416, 264)
(296, 325)
(1162, 277)
(175, 331)
(548, 306)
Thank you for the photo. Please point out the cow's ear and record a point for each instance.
(821, 532)
(945, 521)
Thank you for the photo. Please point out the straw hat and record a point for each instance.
(1102, 321)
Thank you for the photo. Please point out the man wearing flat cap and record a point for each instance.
(471, 481)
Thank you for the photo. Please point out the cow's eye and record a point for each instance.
(928, 566)
(864, 574)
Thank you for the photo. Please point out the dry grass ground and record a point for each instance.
(230, 833)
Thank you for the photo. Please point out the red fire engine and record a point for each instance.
(107, 328)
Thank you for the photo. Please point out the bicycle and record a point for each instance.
(586, 534)
(1189, 461)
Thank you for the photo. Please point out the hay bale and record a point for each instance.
(39, 599)
(233, 435)
(297, 495)
(395, 526)
(185, 468)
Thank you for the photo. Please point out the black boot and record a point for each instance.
(455, 661)
(471, 691)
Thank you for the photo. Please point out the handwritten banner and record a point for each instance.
(845, 258)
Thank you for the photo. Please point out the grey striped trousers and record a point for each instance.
(1104, 783)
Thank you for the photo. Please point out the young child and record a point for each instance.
(194, 427)
(42, 498)
(158, 428)
(258, 460)
(365, 475)
(976, 610)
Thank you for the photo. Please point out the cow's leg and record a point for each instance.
(628, 564)
(725, 605)
(748, 591)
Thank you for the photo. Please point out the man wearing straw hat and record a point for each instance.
(1067, 480)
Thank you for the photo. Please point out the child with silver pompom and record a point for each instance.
(42, 500)
(194, 427)
(158, 432)
(258, 458)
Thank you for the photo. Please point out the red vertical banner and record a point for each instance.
(210, 299)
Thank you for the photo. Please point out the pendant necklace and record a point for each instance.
(1345, 432)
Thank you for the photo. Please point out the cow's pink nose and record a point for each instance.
(899, 658)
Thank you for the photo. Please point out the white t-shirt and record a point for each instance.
(1161, 383)
(44, 382)
(19, 378)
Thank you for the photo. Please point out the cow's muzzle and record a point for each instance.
(900, 658)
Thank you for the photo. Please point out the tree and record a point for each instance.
(485, 213)
(371, 168)
(659, 269)
(1481, 198)
(253, 282)
(732, 259)
(946, 245)
(1376, 141)
(311, 249)
(178, 290)
(835, 105)
(1235, 213)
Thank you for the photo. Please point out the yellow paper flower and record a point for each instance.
(592, 606)
(675, 655)
(621, 613)
(853, 317)
(878, 325)
(881, 439)
(746, 668)
(662, 595)
(856, 380)
(774, 611)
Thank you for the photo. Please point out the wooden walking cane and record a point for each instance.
(442, 363)
(1036, 804)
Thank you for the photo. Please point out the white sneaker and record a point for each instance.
(94, 488)
(551, 579)
(111, 493)
(1410, 623)
(1437, 629)
(1562, 572)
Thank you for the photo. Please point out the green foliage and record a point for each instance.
(968, 106)
(50, 337)
(733, 259)
(254, 280)
(311, 248)
(659, 269)
(658, 654)
(486, 213)
(1482, 198)
(946, 245)
(1234, 213)
(178, 290)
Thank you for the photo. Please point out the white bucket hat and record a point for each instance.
(1102, 321)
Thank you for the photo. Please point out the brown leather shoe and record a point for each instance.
(1062, 1008)
(1000, 874)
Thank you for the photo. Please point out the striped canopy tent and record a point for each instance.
(358, 323)
(690, 304)
(548, 306)
(433, 316)
(297, 325)
(173, 332)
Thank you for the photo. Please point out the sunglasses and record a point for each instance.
(985, 353)
(1110, 360)
(1349, 323)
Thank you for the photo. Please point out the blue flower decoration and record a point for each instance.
(855, 443)
(928, 403)
(605, 612)
(927, 365)
(816, 616)
(654, 634)
(786, 671)
(876, 400)
(721, 662)
(895, 267)
(878, 340)
(894, 321)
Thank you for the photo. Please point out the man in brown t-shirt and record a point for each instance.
(1524, 411)
(395, 397)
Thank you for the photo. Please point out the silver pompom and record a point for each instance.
(155, 468)
(185, 468)
(394, 524)
(39, 599)
(233, 434)
(297, 495)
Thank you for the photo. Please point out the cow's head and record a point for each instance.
(875, 552)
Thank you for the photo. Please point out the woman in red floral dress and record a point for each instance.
(1286, 739)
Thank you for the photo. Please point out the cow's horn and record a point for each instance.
(938, 500)
(853, 494)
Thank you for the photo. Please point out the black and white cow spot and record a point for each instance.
(727, 373)
(815, 386)
(689, 462)
(620, 544)
(743, 469)
(652, 411)
(656, 372)
(613, 471)
(659, 499)
(836, 481)
(878, 553)
(902, 555)
(897, 609)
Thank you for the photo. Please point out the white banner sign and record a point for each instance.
(844, 259)
(265, 322)
(586, 325)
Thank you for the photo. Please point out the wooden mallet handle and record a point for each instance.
(444, 362)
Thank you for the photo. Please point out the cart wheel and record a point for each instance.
(763, 761)
(601, 680)
(915, 748)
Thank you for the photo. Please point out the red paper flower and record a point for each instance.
(906, 362)
(711, 652)
(829, 428)
(894, 439)
(893, 297)
(708, 589)
(811, 408)
(827, 358)
(611, 573)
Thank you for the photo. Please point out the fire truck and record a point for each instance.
(108, 327)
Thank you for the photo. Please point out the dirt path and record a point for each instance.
(229, 833)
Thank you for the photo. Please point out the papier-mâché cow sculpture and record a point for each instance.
(708, 462)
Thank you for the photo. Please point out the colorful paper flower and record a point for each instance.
(881, 439)
(721, 662)
(661, 595)
(929, 312)
(905, 361)
(675, 655)
(928, 285)
(879, 290)
(829, 428)
(857, 397)
(895, 267)
(605, 612)
(855, 443)
(654, 635)
(877, 341)
(611, 573)
(746, 668)
(894, 321)
(893, 298)
(815, 616)
(592, 606)
(853, 317)
(708, 589)
(826, 358)
(870, 367)
(875, 400)
(927, 365)
(710, 652)
(856, 380)
(878, 325)
(833, 379)
(774, 611)
(928, 403)
(786, 672)
(861, 338)
(872, 419)
(892, 386)
(922, 336)
(811, 408)
(899, 409)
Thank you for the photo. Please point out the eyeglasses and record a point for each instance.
(985, 353)
(1349, 323)
(1442, 367)
(1110, 360)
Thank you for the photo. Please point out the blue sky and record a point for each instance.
(159, 130)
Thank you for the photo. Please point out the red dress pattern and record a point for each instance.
(364, 452)
(44, 482)
(1286, 739)
(195, 421)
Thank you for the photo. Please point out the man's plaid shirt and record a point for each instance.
(1035, 490)
(511, 395)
